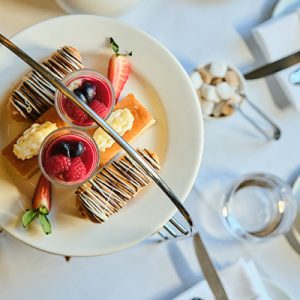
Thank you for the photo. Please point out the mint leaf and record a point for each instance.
(114, 45)
(29, 216)
(45, 223)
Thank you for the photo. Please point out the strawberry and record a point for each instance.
(57, 164)
(76, 171)
(118, 69)
(99, 107)
(41, 205)
(75, 113)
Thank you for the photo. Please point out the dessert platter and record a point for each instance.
(61, 174)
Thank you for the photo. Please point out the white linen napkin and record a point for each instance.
(279, 38)
(241, 281)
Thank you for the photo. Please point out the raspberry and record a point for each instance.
(75, 112)
(76, 171)
(57, 164)
(99, 107)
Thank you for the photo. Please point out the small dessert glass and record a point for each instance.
(89, 155)
(104, 93)
(259, 206)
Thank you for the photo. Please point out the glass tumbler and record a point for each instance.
(64, 143)
(259, 206)
(104, 93)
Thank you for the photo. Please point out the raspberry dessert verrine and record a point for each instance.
(68, 156)
(93, 89)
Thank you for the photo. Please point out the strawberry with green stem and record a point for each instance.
(118, 68)
(41, 205)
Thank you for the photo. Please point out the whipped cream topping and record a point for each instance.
(111, 189)
(121, 121)
(29, 143)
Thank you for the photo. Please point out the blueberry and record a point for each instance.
(79, 93)
(89, 90)
(76, 149)
(63, 147)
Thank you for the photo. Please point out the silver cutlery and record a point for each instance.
(203, 257)
(173, 229)
(274, 133)
(274, 67)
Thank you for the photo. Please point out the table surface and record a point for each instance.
(195, 31)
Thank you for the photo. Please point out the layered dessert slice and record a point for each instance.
(22, 151)
(116, 184)
(34, 95)
(130, 119)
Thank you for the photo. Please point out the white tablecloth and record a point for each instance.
(195, 31)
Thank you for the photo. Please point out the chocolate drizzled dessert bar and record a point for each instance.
(34, 95)
(111, 189)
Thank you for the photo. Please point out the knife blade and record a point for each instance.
(208, 269)
(274, 67)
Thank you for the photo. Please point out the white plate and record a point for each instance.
(160, 83)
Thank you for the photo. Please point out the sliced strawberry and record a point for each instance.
(41, 205)
(118, 69)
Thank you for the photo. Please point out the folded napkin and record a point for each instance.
(241, 281)
(278, 38)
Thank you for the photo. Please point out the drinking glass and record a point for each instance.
(259, 206)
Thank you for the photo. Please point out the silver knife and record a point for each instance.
(274, 67)
(208, 269)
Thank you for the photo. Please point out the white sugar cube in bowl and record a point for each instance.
(220, 87)
(218, 69)
(196, 80)
(209, 93)
(224, 90)
(207, 107)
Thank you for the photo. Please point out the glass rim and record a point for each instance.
(78, 132)
(58, 96)
(275, 183)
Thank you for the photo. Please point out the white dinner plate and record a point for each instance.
(159, 82)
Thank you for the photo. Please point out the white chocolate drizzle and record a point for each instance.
(35, 95)
(111, 189)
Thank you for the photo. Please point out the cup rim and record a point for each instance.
(78, 132)
(275, 181)
(58, 98)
